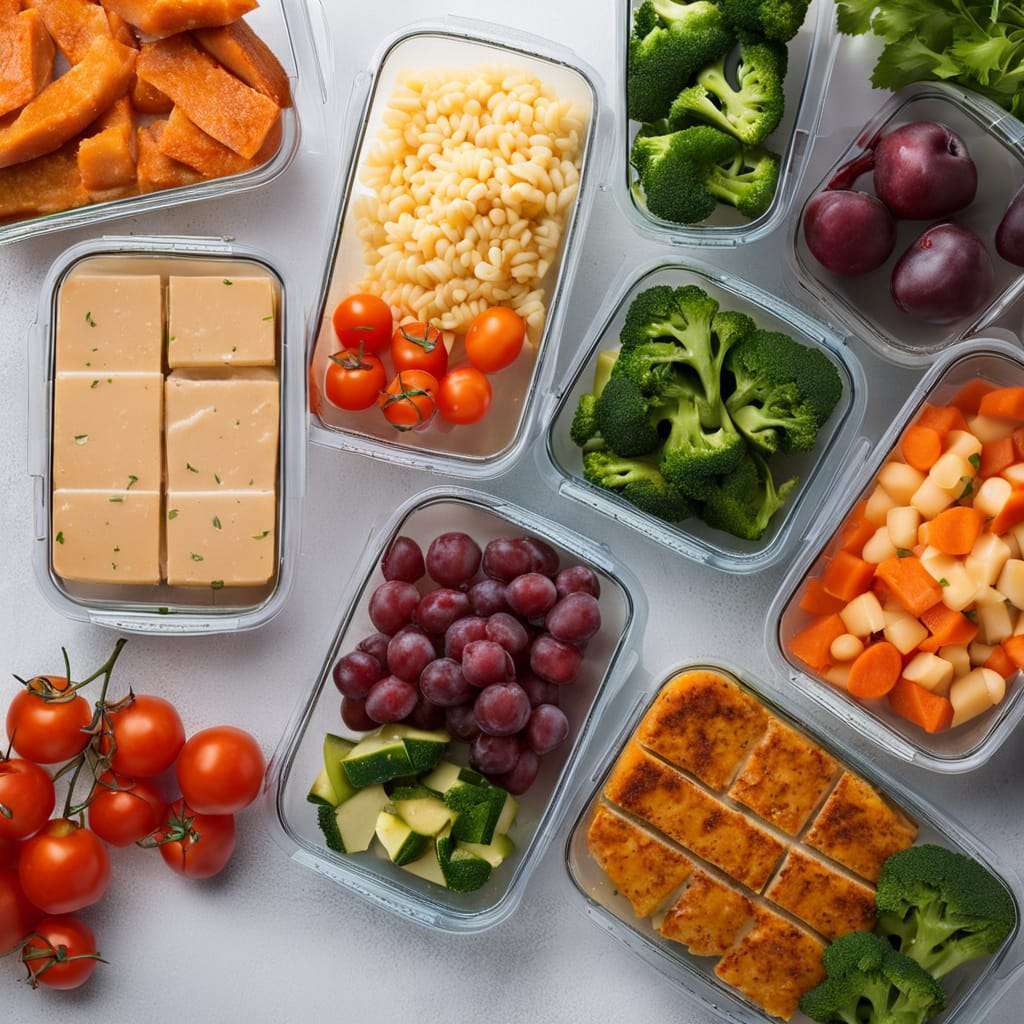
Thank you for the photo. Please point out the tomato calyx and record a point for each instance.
(425, 342)
(407, 395)
(351, 359)
(178, 828)
(53, 954)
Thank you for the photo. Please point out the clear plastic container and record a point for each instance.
(165, 609)
(610, 656)
(817, 469)
(957, 750)
(286, 28)
(812, 54)
(995, 140)
(972, 990)
(488, 448)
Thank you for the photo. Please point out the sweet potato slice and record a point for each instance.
(160, 18)
(74, 24)
(119, 28)
(183, 141)
(48, 184)
(107, 158)
(157, 171)
(244, 54)
(70, 104)
(147, 99)
(26, 59)
(213, 99)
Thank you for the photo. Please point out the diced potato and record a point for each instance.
(987, 558)
(1015, 474)
(992, 495)
(1011, 581)
(1012, 541)
(979, 653)
(995, 623)
(938, 565)
(902, 523)
(930, 671)
(1017, 532)
(846, 647)
(963, 443)
(958, 589)
(950, 471)
(930, 499)
(903, 631)
(839, 676)
(975, 693)
(877, 506)
(1018, 630)
(863, 615)
(957, 657)
(879, 547)
(989, 428)
(900, 481)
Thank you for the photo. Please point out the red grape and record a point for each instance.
(453, 559)
(391, 700)
(531, 595)
(427, 716)
(440, 608)
(508, 631)
(355, 674)
(409, 654)
(484, 663)
(377, 645)
(502, 710)
(576, 618)
(461, 722)
(540, 691)
(443, 684)
(353, 714)
(403, 561)
(392, 605)
(544, 557)
(488, 597)
(522, 776)
(547, 729)
(463, 632)
(494, 755)
(577, 579)
(505, 559)
(554, 660)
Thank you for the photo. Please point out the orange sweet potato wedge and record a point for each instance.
(48, 184)
(183, 141)
(244, 54)
(160, 18)
(157, 171)
(119, 28)
(223, 106)
(148, 100)
(107, 158)
(26, 58)
(69, 104)
(74, 25)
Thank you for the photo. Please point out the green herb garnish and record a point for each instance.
(943, 582)
(903, 552)
(216, 522)
(60, 537)
(260, 536)
(217, 584)
(89, 320)
(172, 513)
(81, 439)
(116, 498)
(975, 460)
(228, 282)
(191, 468)
(132, 481)
(196, 558)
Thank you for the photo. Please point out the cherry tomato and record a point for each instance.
(220, 770)
(127, 814)
(419, 347)
(410, 400)
(26, 798)
(147, 735)
(17, 915)
(363, 320)
(495, 339)
(354, 380)
(64, 868)
(10, 850)
(44, 727)
(62, 954)
(195, 845)
(464, 395)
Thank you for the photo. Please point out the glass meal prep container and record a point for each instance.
(972, 990)
(286, 28)
(159, 609)
(610, 656)
(995, 141)
(487, 448)
(972, 744)
(562, 459)
(812, 54)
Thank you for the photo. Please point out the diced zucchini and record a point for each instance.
(425, 748)
(442, 777)
(508, 815)
(422, 809)
(402, 844)
(326, 818)
(322, 792)
(495, 853)
(335, 751)
(465, 871)
(471, 825)
(375, 760)
(357, 818)
(427, 866)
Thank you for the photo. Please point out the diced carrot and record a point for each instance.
(1014, 647)
(815, 600)
(969, 397)
(855, 533)
(1011, 513)
(846, 576)
(1007, 403)
(875, 671)
(999, 661)
(954, 531)
(916, 704)
(880, 589)
(947, 627)
(996, 456)
(942, 418)
(910, 584)
(921, 447)
(1018, 444)
(813, 643)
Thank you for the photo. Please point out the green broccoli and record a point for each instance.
(744, 502)
(623, 418)
(751, 112)
(748, 181)
(775, 19)
(672, 169)
(670, 41)
(782, 421)
(584, 422)
(941, 908)
(867, 982)
(639, 482)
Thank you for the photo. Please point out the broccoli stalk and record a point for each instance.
(584, 430)
(639, 482)
(779, 20)
(744, 502)
(782, 421)
(748, 181)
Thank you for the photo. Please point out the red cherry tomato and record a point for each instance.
(17, 915)
(127, 814)
(62, 954)
(64, 868)
(26, 798)
(495, 339)
(363, 320)
(10, 850)
(45, 728)
(195, 845)
(220, 770)
(147, 736)
(354, 380)
(464, 395)
(419, 346)
(410, 400)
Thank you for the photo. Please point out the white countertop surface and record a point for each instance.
(269, 941)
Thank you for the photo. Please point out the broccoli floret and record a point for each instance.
(623, 418)
(584, 422)
(639, 482)
(744, 502)
(867, 982)
(748, 181)
(941, 908)
(672, 169)
(670, 42)
(775, 19)
(782, 421)
(750, 112)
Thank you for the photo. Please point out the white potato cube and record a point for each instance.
(979, 653)
(987, 558)
(992, 495)
(879, 547)
(930, 671)
(990, 428)
(863, 615)
(958, 589)
(878, 506)
(1012, 541)
(900, 481)
(975, 693)
(963, 443)
(938, 565)
(995, 623)
(903, 631)
(846, 647)
(988, 595)
(902, 523)
(1015, 474)
(1011, 581)
(951, 472)
(930, 499)
(839, 676)
(958, 657)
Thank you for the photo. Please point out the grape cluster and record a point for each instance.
(482, 654)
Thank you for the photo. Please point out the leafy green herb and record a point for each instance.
(260, 536)
(89, 320)
(975, 460)
(968, 487)
(217, 478)
(60, 537)
(94, 384)
(228, 282)
(81, 439)
(113, 565)
(903, 552)
(196, 558)
(943, 582)
(117, 498)
(172, 513)
(271, 317)
(132, 481)
(191, 468)
(971, 614)
(217, 584)
(163, 611)
(216, 522)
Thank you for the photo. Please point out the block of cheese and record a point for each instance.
(107, 536)
(219, 540)
(221, 429)
(108, 323)
(106, 431)
(221, 321)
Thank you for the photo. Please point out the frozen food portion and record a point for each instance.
(26, 59)
(642, 867)
(187, 143)
(708, 916)
(45, 185)
(157, 18)
(157, 171)
(107, 536)
(243, 53)
(108, 157)
(73, 24)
